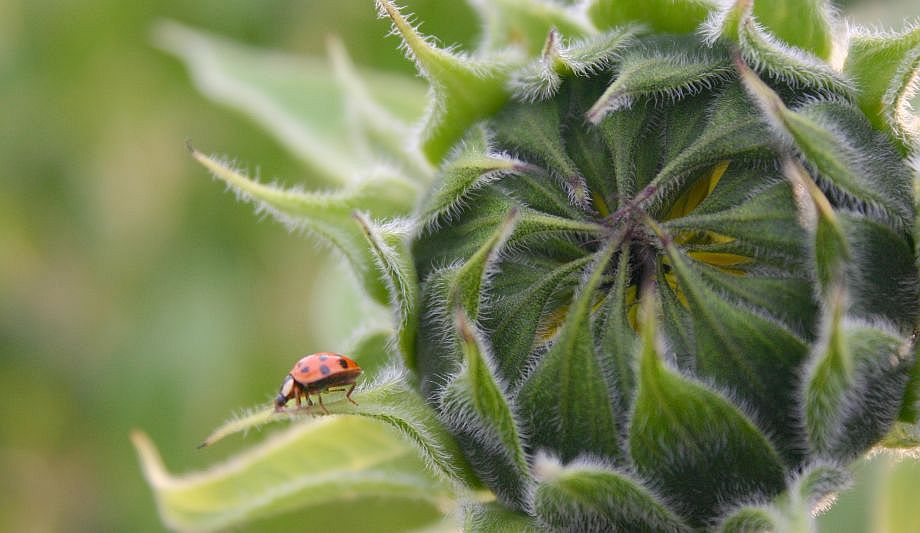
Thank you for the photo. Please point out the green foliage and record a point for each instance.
(387, 244)
(660, 282)
(475, 405)
(678, 440)
(271, 88)
(664, 16)
(326, 214)
(885, 66)
(344, 456)
(464, 89)
(853, 385)
(592, 496)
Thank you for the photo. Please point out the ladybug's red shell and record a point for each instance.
(316, 374)
(324, 367)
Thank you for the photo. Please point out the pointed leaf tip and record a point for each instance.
(472, 278)
(150, 459)
(801, 65)
(477, 407)
(831, 249)
(854, 382)
(563, 58)
(472, 165)
(383, 194)
(566, 400)
(668, 75)
(676, 439)
(465, 89)
(887, 69)
(822, 132)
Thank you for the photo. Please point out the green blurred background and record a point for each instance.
(134, 292)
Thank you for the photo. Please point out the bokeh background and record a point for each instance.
(134, 292)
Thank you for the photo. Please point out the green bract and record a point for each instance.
(652, 265)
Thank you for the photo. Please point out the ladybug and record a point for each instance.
(315, 374)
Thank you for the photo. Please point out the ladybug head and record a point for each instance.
(285, 393)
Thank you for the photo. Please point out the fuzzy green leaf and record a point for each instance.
(882, 275)
(472, 165)
(447, 287)
(565, 401)
(586, 147)
(310, 468)
(677, 439)
(328, 215)
(793, 66)
(514, 320)
(457, 241)
(475, 405)
(732, 132)
(741, 348)
(634, 144)
(584, 57)
(787, 299)
(818, 485)
(886, 68)
(389, 399)
(533, 132)
(831, 249)
(849, 157)
(525, 23)
(660, 75)
(664, 16)
(809, 493)
(765, 227)
(469, 285)
(853, 385)
(806, 24)
(452, 288)
(587, 495)
(617, 341)
(494, 518)
(270, 87)
(389, 247)
(464, 89)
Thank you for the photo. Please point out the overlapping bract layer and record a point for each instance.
(753, 213)
(664, 276)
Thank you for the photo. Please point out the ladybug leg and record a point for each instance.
(348, 394)
(320, 396)
(306, 395)
(298, 395)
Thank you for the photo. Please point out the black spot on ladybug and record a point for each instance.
(323, 369)
(323, 357)
(343, 363)
(305, 369)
